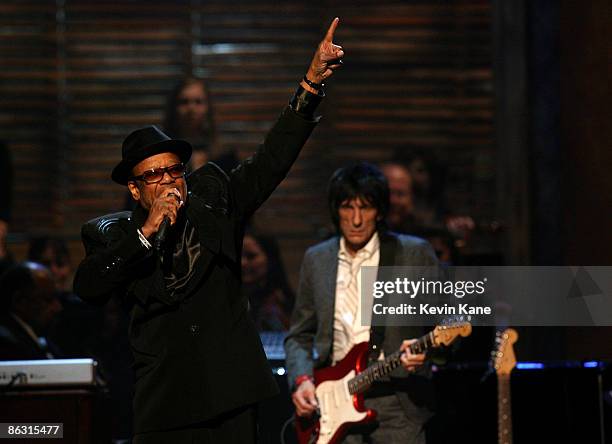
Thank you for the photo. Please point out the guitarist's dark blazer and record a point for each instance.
(198, 355)
(313, 316)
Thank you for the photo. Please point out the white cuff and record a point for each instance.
(143, 240)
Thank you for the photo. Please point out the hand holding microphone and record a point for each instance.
(162, 214)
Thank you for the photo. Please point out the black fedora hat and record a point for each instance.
(144, 143)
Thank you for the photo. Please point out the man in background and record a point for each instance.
(401, 201)
(29, 305)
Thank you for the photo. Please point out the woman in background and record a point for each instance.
(265, 283)
(190, 117)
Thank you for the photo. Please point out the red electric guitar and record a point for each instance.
(339, 389)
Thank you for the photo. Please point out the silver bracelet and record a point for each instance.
(143, 240)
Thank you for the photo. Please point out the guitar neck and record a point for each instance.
(380, 369)
(504, 410)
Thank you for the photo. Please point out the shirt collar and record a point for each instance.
(366, 252)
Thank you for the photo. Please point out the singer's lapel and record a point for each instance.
(209, 226)
(154, 284)
(215, 235)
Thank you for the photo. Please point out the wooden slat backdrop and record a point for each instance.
(78, 76)
(121, 60)
(28, 108)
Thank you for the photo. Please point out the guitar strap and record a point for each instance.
(388, 250)
(377, 337)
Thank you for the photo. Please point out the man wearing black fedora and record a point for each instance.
(199, 365)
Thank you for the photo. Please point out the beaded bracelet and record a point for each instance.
(312, 84)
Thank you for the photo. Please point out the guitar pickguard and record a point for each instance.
(336, 407)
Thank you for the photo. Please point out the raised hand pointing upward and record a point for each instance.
(327, 58)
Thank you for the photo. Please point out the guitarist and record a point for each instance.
(327, 314)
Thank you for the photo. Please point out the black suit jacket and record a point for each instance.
(200, 356)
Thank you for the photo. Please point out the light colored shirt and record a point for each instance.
(348, 328)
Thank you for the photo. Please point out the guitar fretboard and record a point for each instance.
(504, 410)
(380, 369)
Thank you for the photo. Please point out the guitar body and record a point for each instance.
(339, 389)
(338, 408)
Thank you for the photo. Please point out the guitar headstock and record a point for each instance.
(445, 334)
(503, 358)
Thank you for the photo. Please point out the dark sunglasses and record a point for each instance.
(153, 176)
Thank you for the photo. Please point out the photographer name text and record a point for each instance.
(429, 309)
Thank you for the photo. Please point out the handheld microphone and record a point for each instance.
(160, 237)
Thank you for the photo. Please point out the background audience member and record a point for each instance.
(53, 253)
(265, 282)
(77, 328)
(431, 208)
(401, 201)
(28, 307)
(190, 117)
(428, 185)
(418, 204)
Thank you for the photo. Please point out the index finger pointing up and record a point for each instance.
(332, 28)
